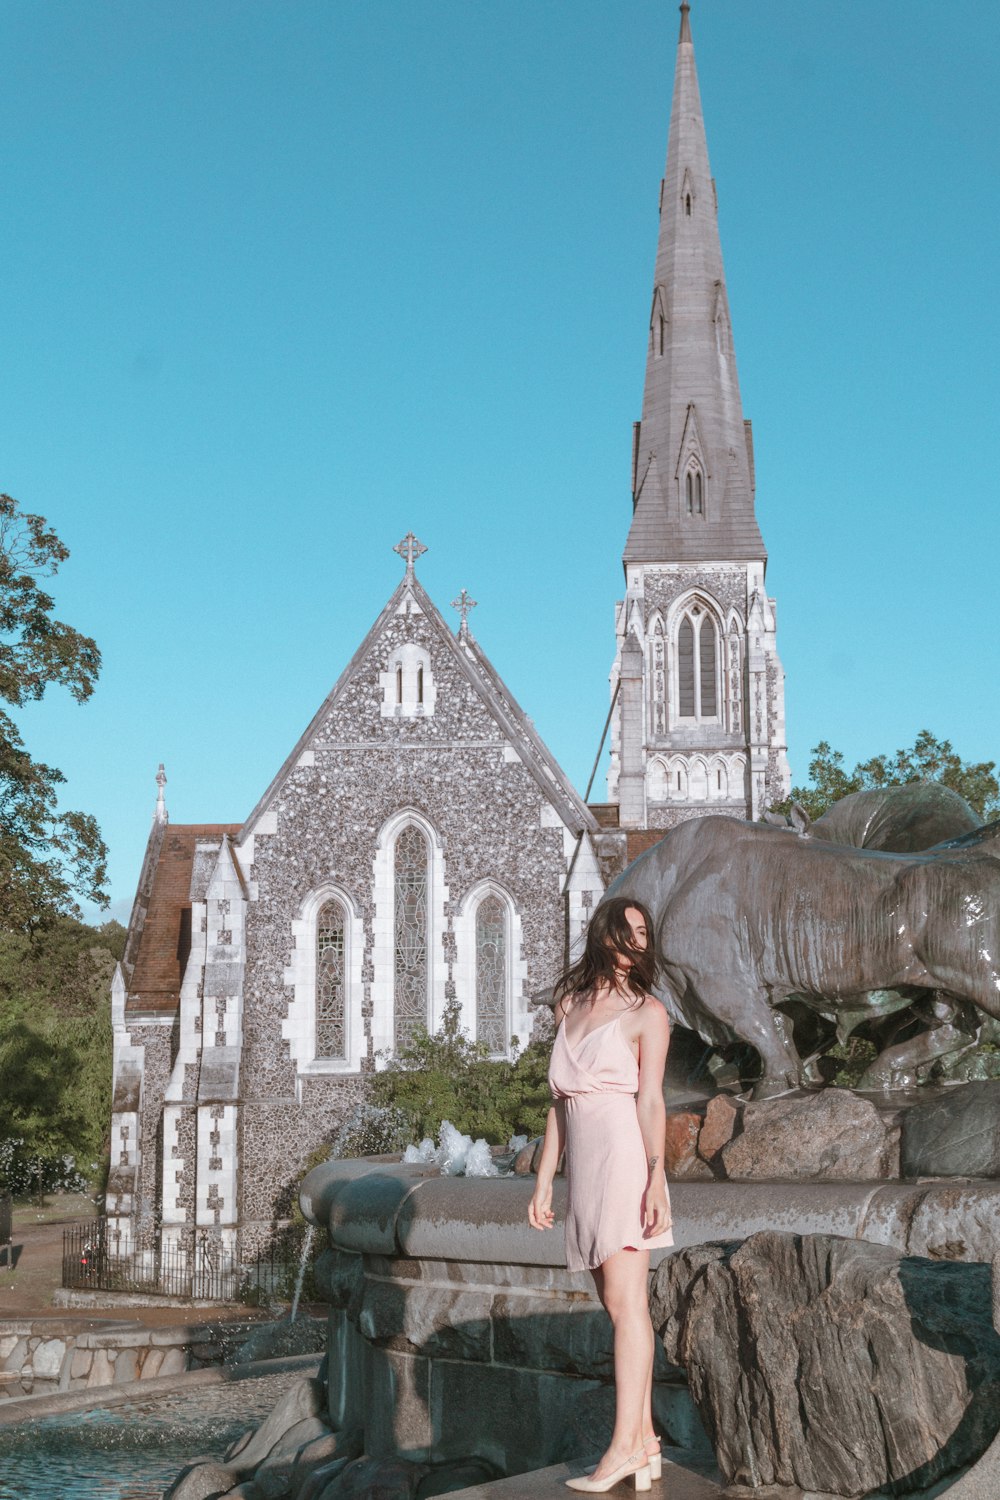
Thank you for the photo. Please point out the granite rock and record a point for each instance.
(836, 1365)
(377, 1479)
(680, 1155)
(832, 1135)
(304, 1399)
(955, 1135)
(721, 1119)
(201, 1481)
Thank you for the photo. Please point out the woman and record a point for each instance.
(606, 1076)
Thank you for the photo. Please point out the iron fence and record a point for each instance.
(96, 1258)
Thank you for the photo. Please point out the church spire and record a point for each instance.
(692, 480)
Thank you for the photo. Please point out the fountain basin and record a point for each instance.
(455, 1327)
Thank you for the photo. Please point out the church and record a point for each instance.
(420, 846)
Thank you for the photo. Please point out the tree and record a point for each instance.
(929, 759)
(47, 857)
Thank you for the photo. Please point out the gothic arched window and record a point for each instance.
(410, 934)
(330, 980)
(694, 490)
(697, 667)
(491, 974)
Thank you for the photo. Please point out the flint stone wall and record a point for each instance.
(453, 766)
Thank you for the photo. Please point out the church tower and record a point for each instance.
(699, 718)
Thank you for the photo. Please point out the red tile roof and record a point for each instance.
(156, 979)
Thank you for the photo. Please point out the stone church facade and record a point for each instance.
(420, 845)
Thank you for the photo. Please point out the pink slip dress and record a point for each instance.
(598, 1079)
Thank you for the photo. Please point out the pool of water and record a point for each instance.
(132, 1450)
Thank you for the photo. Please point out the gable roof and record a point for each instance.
(157, 955)
(485, 682)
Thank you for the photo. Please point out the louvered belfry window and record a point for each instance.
(491, 974)
(410, 935)
(706, 650)
(685, 669)
(330, 981)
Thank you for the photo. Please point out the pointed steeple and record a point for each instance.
(692, 465)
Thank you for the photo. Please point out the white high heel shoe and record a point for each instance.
(636, 1466)
(652, 1447)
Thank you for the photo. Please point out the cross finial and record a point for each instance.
(463, 604)
(410, 549)
(161, 807)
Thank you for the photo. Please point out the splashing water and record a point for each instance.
(307, 1242)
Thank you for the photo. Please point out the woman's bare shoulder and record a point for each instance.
(653, 1018)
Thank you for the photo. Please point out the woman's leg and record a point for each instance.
(623, 1286)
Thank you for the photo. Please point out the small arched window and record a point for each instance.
(410, 935)
(687, 205)
(694, 491)
(330, 981)
(491, 974)
(420, 685)
(399, 684)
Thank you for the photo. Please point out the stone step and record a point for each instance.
(550, 1484)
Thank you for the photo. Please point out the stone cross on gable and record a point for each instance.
(463, 604)
(410, 549)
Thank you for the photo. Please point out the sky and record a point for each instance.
(285, 280)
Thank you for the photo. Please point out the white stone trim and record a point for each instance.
(383, 928)
(408, 687)
(299, 1026)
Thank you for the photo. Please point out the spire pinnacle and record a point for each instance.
(160, 815)
(409, 549)
(685, 35)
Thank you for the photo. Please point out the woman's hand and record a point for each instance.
(655, 1209)
(540, 1215)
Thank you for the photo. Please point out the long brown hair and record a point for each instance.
(608, 935)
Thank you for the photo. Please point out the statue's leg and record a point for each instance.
(745, 1010)
(906, 1063)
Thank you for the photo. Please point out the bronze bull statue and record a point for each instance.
(749, 914)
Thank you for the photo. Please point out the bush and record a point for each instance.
(447, 1076)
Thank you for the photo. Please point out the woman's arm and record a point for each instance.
(654, 1039)
(540, 1215)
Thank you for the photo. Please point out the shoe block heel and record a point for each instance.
(644, 1478)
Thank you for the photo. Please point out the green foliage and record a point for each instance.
(852, 1057)
(449, 1077)
(928, 759)
(47, 857)
(55, 1050)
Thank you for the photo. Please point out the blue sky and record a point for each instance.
(283, 281)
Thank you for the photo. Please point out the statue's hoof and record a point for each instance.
(773, 1088)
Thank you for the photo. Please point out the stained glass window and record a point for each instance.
(491, 974)
(330, 981)
(410, 934)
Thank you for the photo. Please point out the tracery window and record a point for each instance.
(330, 981)
(491, 974)
(697, 668)
(695, 492)
(410, 936)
